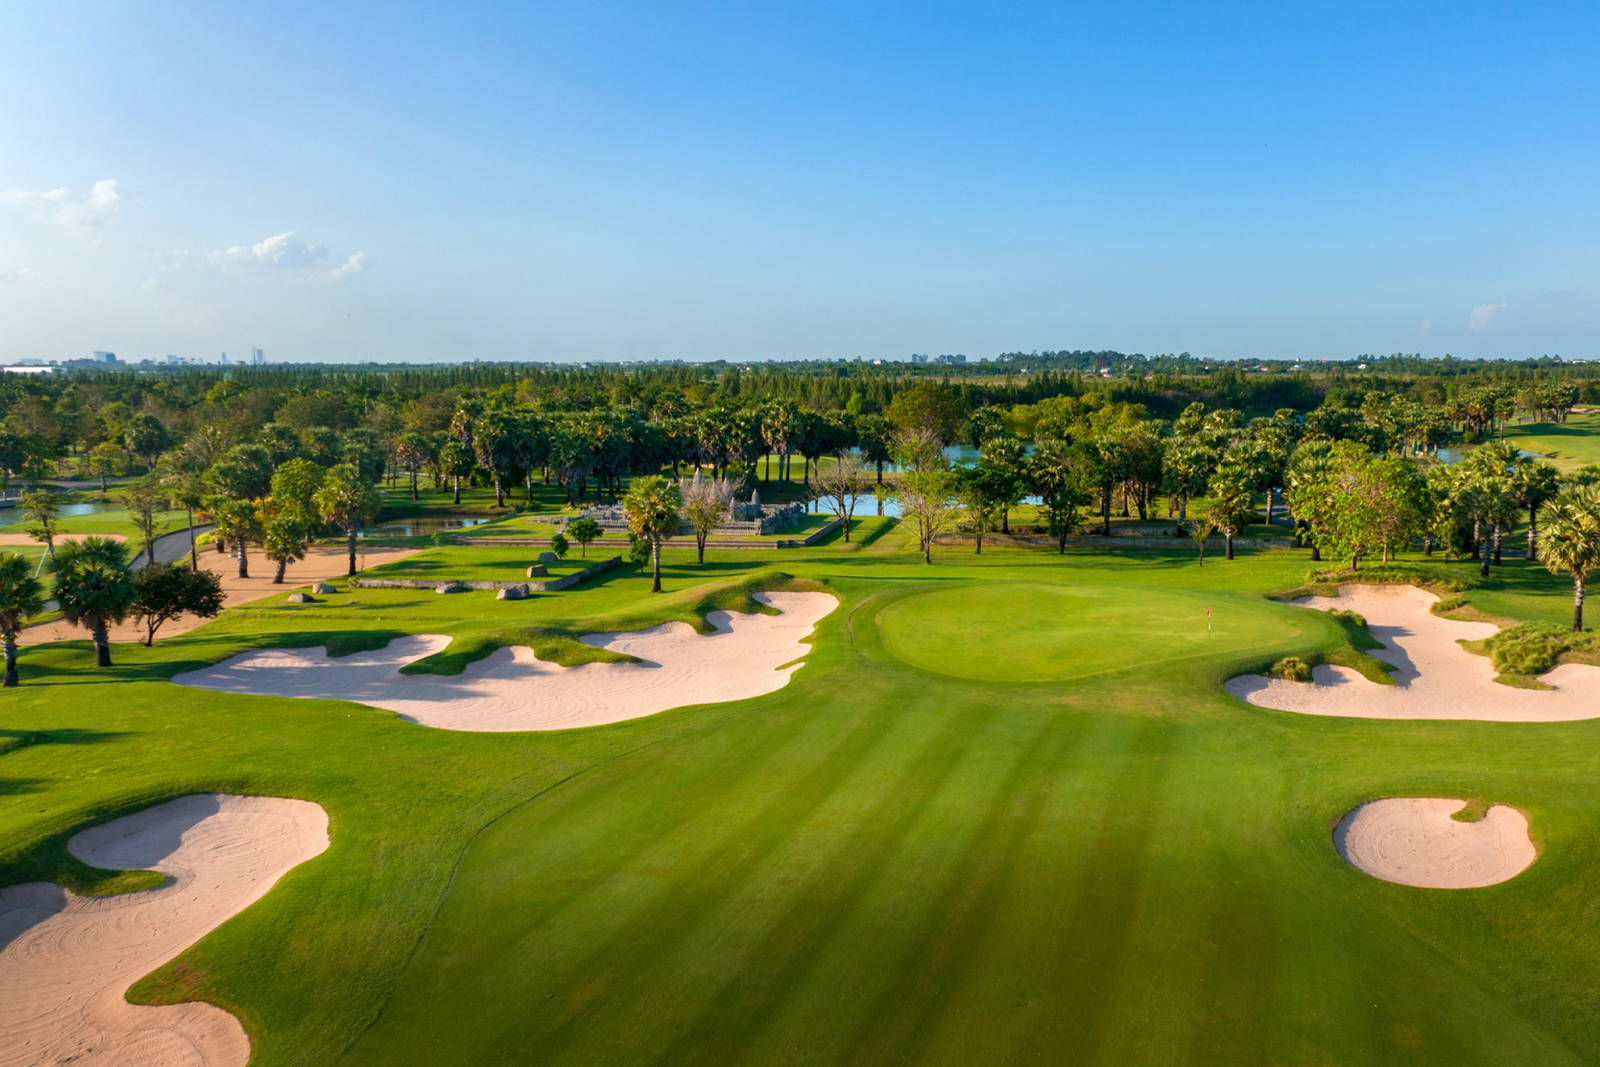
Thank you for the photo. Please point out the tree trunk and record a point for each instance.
(1499, 534)
(700, 547)
(352, 550)
(1183, 507)
(1533, 531)
(978, 541)
(244, 560)
(1577, 606)
(1269, 505)
(102, 644)
(1483, 556)
(413, 483)
(1005, 520)
(1227, 540)
(1316, 552)
(457, 497)
(655, 565)
(194, 554)
(11, 660)
(283, 565)
(1427, 545)
(1105, 510)
(499, 491)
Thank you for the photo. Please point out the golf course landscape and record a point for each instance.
(1005, 810)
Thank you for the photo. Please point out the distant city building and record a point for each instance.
(257, 357)
(28, 368)
(104, 357)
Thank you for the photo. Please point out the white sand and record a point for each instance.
(1437, 678)
(1414, 841)
(512, 689)
(66, 961)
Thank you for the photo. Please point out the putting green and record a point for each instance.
(1025, 632)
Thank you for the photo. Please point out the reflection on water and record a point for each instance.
(421, 526)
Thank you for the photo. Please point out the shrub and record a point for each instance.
(1447, 604)
(1530, 648)
(1354, 618)
(560, 546)
(1290, 668)
(638, 551)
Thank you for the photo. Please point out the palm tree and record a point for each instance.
(21, 595)
(94, 587)
(186, 489)
(651, 505)
(42, 507)
(1232, 503)
(1569, 541)
(1536, 483)
(348, 501)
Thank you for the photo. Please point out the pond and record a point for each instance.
(421, 526)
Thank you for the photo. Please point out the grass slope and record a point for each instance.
(882, 862)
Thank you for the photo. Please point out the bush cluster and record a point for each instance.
(1354, 618)
(1291, 668)
(1532, 648)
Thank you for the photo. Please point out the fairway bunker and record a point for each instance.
(1416, 841)
(66, 961)
(1435, 677)
(747, 655)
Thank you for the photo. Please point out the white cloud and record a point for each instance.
(287, 252)
(77, 214)
(21, 276)
(1482, 317)
(354, 265)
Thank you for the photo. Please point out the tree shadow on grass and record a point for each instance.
(14, 740)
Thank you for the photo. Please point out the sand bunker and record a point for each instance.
(66, 961)
(1414, 841)
(1437, 678)
(512, 689)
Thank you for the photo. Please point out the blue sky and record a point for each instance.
(611, 181)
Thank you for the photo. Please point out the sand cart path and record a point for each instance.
(748, 655)
(66, 961)
(1437, 678)
(322, 563)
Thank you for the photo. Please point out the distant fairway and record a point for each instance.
(1017, 632)
(1569, 445)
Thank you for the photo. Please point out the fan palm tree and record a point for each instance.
(651, 505)
(21, 595)
(94, 587)
(1569, 541)
(1536, 482)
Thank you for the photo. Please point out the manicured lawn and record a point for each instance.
(900, 857)
(1569, 445)
(1055, 632)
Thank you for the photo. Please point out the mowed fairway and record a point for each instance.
(1045, 632)
(883, 862)
(1569, 445)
